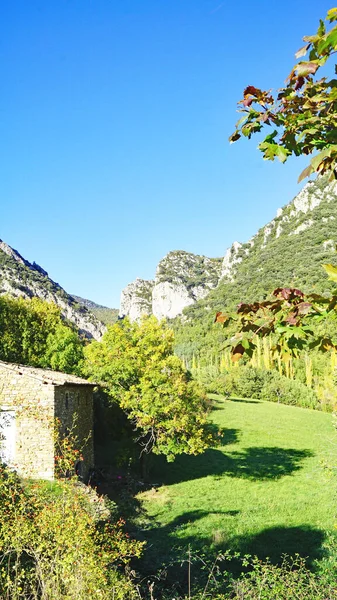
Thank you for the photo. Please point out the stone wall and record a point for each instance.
(36, 404)
(33, 404)
(74, 409)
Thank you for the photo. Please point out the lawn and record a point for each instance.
(265, 490)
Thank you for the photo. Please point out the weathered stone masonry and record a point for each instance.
(33, 398)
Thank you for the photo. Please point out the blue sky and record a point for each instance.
(115, 117)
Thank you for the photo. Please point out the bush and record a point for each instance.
(259, 580)
(250, 382)
(57, 541)
(291, 579)
(277, 388)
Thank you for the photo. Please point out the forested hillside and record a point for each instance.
(289, 251)
(106, 315)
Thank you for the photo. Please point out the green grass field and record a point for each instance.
(266, 490)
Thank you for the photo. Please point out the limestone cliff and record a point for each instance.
(311, 208)
(136, 299)
(181, 279)
(19, 277)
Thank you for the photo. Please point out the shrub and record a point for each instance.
(55, 545)
(277, 388)
(291, 579)
(250, 382)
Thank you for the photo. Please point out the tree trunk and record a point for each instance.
(145, 461)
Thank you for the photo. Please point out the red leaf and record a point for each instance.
(251, 91)
(291, 319)
(299, 83)
(288, 293)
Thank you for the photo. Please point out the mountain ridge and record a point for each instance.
(19, 277)
(304, 226)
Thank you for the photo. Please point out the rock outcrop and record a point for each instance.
(182, 278)
(136, 299)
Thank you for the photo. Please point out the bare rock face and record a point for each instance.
(181, 279)
(136, 299)
(169, 299)
(18, 277)
(231, 259)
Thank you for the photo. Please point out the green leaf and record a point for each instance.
(329, 41)
(332, 15)
(282, 153)
(331, 270)
(321, 28)
(270, 138)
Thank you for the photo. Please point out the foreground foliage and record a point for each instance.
(59, 541)
(290, 318)
(304, 111)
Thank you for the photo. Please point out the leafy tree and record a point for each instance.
(64, 350)
(33, 333)
(303, 113)
(137, 365)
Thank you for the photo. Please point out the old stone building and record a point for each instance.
(31, 402)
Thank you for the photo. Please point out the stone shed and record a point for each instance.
(31, 402)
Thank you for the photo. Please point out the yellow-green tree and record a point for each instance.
(137, 366)
(33, 333)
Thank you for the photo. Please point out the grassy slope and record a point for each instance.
(263, 491)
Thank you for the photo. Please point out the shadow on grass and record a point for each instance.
(256, 464)
(225, 435)
(273, 543)
(245, 400)
(170, 548)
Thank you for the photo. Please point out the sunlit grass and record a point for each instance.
(266, 490)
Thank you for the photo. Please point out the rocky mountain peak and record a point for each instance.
(136, 299)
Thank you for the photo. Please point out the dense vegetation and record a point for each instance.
(281, 258)
(106, 315)
(57, 541)
(33, 333)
